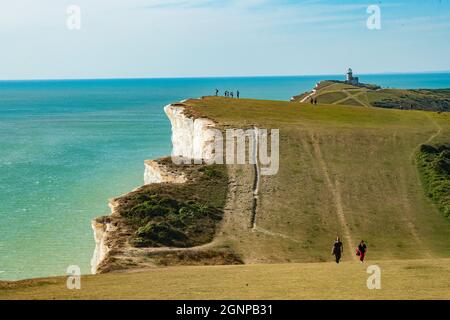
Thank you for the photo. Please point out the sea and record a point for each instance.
(67, 146)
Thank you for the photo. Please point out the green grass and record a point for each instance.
(418, 99)
(331, 86)
(327, 98)
(400, 279)
(351, 102)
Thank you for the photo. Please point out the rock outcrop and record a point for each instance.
(102, 229)
(157, 172)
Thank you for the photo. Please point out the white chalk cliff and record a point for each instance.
(191, 138)
(101, 231)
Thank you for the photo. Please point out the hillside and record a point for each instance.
(335, 92)
(344, 170)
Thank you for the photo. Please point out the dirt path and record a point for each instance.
(257, 179)
(351, 96)
(409, 217)
(274, 234)
(430, 139)
(308, 96)
(335, 191)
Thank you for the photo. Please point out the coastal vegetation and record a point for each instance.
(178, 216)
(434, 164)
(162, 224)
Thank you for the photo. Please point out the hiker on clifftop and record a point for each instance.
(231, 94)
(337, 249)
(217, 92)
(237, 94)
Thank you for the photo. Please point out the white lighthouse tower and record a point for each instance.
(350, 78)
(349, 74)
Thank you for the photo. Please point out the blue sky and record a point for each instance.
(177, 38)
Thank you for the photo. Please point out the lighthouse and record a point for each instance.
(351, 79)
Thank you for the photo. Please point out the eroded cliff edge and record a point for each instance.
(174, 217)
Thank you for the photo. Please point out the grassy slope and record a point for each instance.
(343, 170)
(345, 94)
(403, 279)
(358, 159)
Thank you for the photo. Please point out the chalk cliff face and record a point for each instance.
(100, 247)
(191, 139)
(101, 228)
(156, 172)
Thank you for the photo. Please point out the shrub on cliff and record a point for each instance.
(155, 206)
(157, 234)
(168, 222)
(211, 172)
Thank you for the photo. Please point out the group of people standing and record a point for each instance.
(228, 94)
(338, 249)
(313, 100)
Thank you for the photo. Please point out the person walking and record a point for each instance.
(231, 94)
(337, 249)
(237, 94)
(361, 251)
(217, 92)
(225, 93)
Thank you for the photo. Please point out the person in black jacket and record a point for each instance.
(362, 249)
(337, 249)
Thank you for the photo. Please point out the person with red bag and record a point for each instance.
(361, 251)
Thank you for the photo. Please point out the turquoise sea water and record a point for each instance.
(66, 147)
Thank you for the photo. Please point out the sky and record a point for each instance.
(195, 38)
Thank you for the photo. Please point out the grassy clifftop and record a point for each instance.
(333, 92)
(343, 170)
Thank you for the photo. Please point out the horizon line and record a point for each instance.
(224, 76)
